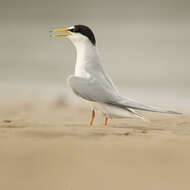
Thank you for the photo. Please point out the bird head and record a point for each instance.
(76, 33)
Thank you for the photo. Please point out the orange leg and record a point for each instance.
(106, 121)
(92, 117)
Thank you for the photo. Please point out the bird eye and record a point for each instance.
(71, 30)
(74, 29)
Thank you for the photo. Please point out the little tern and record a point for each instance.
(91, 83)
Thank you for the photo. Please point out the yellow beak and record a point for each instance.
(63, 32)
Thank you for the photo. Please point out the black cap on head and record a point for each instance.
(84, 30)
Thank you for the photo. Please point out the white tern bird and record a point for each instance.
(91, 83)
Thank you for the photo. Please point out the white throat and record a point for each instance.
(87, 57)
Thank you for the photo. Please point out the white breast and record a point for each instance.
(80, 70)
(86, 54)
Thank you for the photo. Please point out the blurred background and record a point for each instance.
(144, 45)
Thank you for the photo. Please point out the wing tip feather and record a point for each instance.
(174, 112)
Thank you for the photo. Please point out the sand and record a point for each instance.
(53, 148)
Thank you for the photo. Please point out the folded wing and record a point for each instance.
(93, 90)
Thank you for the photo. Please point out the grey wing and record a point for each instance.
(94, 90)
(110, 82)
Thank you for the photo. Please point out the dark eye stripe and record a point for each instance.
(72, 30)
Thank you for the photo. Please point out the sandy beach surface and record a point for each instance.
(45, 140)
(45, 147)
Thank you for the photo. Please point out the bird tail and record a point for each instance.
(139, 115)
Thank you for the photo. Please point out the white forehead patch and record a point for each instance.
(71, 27)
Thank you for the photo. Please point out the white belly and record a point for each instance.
(110, 111)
